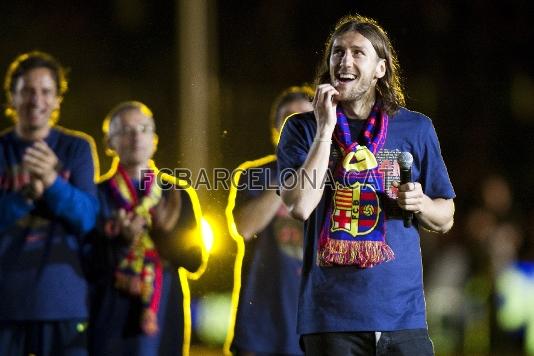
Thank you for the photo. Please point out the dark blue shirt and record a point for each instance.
(390, 295)
(267, 313)
(115, 315)
(41, 275)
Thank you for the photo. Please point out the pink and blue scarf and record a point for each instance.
(354, 231)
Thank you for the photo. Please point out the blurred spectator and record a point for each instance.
(141, 241)
(461, 282)
(494, 237)
(515, 290)
(47, 205)
(267, 310)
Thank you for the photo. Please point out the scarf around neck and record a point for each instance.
(353, 232)
(140, 271)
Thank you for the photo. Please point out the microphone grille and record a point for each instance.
(405, 160)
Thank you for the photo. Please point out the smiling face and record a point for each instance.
(34, 99)
(354, 66)
(132, 137)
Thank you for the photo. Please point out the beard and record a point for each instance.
(354, 91)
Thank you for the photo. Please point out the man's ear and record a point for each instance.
(10, 109)
(155, 141)
(57, 102)
(108, 144)
(380, 69)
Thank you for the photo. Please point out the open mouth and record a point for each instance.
(345, 77)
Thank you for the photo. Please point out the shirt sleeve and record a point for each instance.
(74, 200)
(434, 176)
(179, 246)
(13, 206)
(254, 182)
(294, 144)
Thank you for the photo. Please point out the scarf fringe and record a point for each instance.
(363, 254)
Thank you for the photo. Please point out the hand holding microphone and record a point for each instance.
(408, 199)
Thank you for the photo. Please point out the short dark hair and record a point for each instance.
(294, 93)
(26, 62)
(32, 60)
(304, 92)
(389, 87)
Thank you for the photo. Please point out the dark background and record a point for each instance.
(467, 65)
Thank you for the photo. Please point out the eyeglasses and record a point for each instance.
(141, 128)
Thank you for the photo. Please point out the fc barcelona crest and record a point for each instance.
(356, 209)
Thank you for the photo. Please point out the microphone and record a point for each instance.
(405, 160)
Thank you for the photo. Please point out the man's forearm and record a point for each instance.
(77, 207)
(301, 192)
(254, 215)
(437, 214)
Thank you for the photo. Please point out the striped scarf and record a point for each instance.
(353, 232)
(139, 273)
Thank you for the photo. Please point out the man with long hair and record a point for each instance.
(362, 290)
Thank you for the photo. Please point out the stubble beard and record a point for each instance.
(33, 125)
(356, 92)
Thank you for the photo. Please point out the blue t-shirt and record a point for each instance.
(41, 275)
(390, 295)
(267, 313)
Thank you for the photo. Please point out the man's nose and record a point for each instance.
(136, 134)
(347, 59)
(36, 98)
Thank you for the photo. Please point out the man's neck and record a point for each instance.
(32, 135)
(359, 109)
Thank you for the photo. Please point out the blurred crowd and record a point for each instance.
(479, 279)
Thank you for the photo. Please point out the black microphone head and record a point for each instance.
(405, 160)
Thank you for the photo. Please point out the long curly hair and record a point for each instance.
(389, 87)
